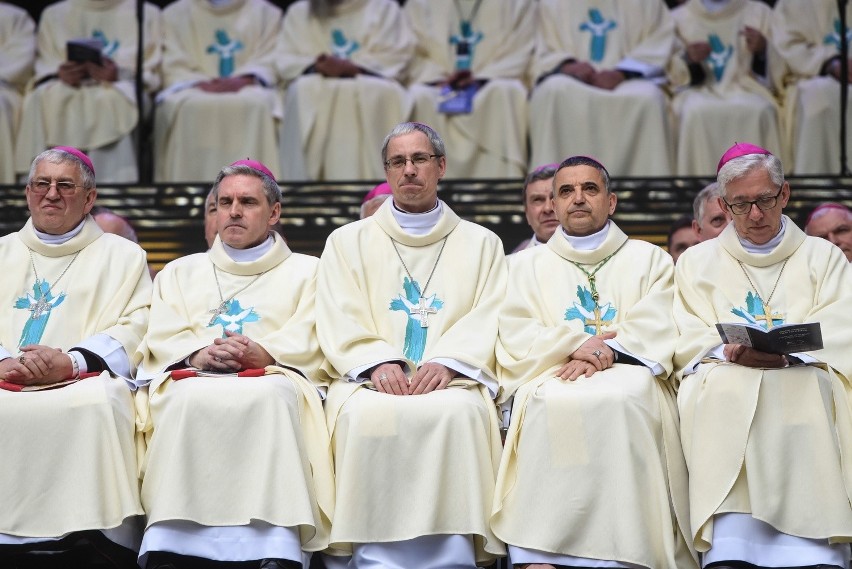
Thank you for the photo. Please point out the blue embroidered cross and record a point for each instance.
(231, 316)
(598, 27)
(418, 309)
(341, 46)
(758, 312)
(719, 55)
(109, 46)
(40, 304)
(225, 48)
(465, 42)
(834, 37)
(593, 315)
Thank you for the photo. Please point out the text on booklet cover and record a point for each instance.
(784, 339)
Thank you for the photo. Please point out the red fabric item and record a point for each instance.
(179, 374)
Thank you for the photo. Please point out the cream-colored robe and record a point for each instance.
(71, 451)
(195, 132)
(626, 128)
(591, 468)
(733, 105)
(767, 442)
(96, 116)
(226, 451)
(806, 34)
(491, 142)
(409, 466)
(333, 126)
(17, 55)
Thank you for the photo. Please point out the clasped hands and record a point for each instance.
(233, 353)
(607, 79)
(593, 355)
(74, 73)
(37, 365)
(391, 379)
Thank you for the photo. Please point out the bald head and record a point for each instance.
(833, 222)
(111, 222)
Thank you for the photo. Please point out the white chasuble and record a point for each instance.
(592, 469)
(766, 442)
(17, 55)
(228, 450)
(411, 466)
(77, 442)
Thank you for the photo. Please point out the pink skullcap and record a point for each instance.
(740, 149)
(255, 165)
(825, 206)
(380, 190)
(544, 167)
(79, 154)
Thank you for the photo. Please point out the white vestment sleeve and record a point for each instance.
(473, 373)
(656, 367)
(356, 374)
(113, 354)
(4, 353)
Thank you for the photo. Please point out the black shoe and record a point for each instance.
(279, 564)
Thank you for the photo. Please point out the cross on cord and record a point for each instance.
(767, 316)
(424, 312)
(596, 321)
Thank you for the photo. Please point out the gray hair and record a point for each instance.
(738, 167)
(57, 156)
(409, 127)
(270, 187)
(709, 192)
(545, 172)
(587, 161)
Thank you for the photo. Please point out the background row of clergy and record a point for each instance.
(648, 90)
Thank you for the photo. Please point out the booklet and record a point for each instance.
(784, 339)
(84, 49)
(457, 101)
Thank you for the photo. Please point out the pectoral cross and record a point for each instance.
(221, 309)
(767, 316)
(596, 321)
(424, 312)
(40, 307)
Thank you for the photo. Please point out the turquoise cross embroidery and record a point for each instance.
(341, 46)
(834, 37)
(465, 42)
(598, 27)
(418, 309)
(231, 316)
(593, 315)
(758, 312)
(40, 304)
(109, 46)
(719, 55)
(225, 48)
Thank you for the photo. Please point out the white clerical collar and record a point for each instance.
(418, 223)
(250, 254)
(49, 239)
(715, 5)
(767, 247)
(587, 242)
(533, 241)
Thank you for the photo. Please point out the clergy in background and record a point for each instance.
(468, 79)
(238, 465)
(709, 217)
(17, 55)
(219, 79)
(592, 474)
(341, 61)
(765, 436)
(75, 307)
(832, 221)
(537, 194)
(596, 68)
(90, 104)
(808, 36)
(407, 318)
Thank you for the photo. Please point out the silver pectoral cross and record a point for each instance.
(40, 307)
(424, 311)
(221, 309)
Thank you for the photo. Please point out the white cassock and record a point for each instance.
(769, 478)
(194, 130)
(237, 468)
(731, 102)
(626, 128)
(414, 474)
(333, 124)
(592, 473)
(17, 55)
(807, 35)
(99, 118)
(79, 447)
(491, 141)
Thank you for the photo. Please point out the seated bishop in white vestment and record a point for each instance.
(238, 463)
(592, 473)
(17, 55)
(407, 318)
(84, 104)
(74, 309)
(765, 436)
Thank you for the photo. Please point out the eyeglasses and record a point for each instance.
(64, 187)
(742, 208)
(417, 160)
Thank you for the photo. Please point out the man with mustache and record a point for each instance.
(407, 318)
(585, 347)
(237, 468)
(765, 435)
(538, 206)
(74, 309)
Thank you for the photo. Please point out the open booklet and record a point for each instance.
(784, 339)
(84, 49)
